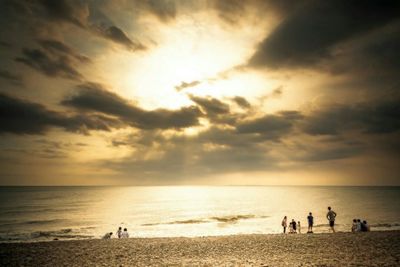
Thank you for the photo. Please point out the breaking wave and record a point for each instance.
(222, 219)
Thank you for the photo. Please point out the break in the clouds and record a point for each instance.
(205, 92)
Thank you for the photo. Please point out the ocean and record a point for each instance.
(48, 213)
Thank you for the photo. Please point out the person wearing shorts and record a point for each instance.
(331, 216)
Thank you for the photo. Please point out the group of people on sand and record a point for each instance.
(360, 226)
(293, 226)
(120, 234)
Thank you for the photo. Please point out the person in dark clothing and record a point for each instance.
(310, 220)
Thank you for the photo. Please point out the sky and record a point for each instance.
(205, 92)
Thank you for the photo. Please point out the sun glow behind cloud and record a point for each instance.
(193, 50)
(188, 91)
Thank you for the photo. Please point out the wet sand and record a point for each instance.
(340, 249)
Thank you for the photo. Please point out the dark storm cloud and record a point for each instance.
(11, 77)
(5, 44)
(376, 56)
(307, 36)
(54, 59)
(58, 47)
(216, 111)
(74, 11)
(48, 65)
(242, 102)
(185, 85)
(211, 106)
(214, 151)
(380, 118)
(326, 154)
(117, 35)
(79, 13)
(83, 14)
(232, 11)
(93, 97)
(23, 117)
(271, 126)
(164, 10)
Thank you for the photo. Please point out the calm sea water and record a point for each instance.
(45, 213)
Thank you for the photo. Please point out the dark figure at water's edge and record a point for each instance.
(284, 224)
(310, 220)
(331, 216)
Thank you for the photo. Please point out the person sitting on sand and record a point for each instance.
(125, 233)
(331, 216)
(294, 226)
(310, 220)
(364, 226)
(284, 224)
(119, 232)
(354, 226)
(358, 225)
(107, 235)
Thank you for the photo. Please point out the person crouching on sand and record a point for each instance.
(331, 216)
(284, 224)
(125, 233)
(119, 232)
(310, 220)
(358, 229)
(107, 235)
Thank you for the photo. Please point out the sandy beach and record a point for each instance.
(340, 249)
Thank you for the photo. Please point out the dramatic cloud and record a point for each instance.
(83, 14)
(213, 151)
(56, 47)
(49, 65)
(242, 102)
(117, 35)
(11, 77)
(308, 35)
(79, 13)
(164, 10)
(368, 118)
(94, 97)
(185, 85)
(56, 59)
(271, 126)
(23, 117)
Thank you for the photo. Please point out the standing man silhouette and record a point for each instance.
(331, 216)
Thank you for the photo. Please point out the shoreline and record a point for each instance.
(379, 248)
(189, 237)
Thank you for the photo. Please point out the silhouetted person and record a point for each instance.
(299, 226)
(358, 225)
(119, 232)
(107, 235)
(125, 233)
(354, 226)
(364, 226)
(331, 216)
(294, 226)
(284, 224)
(310, 220)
